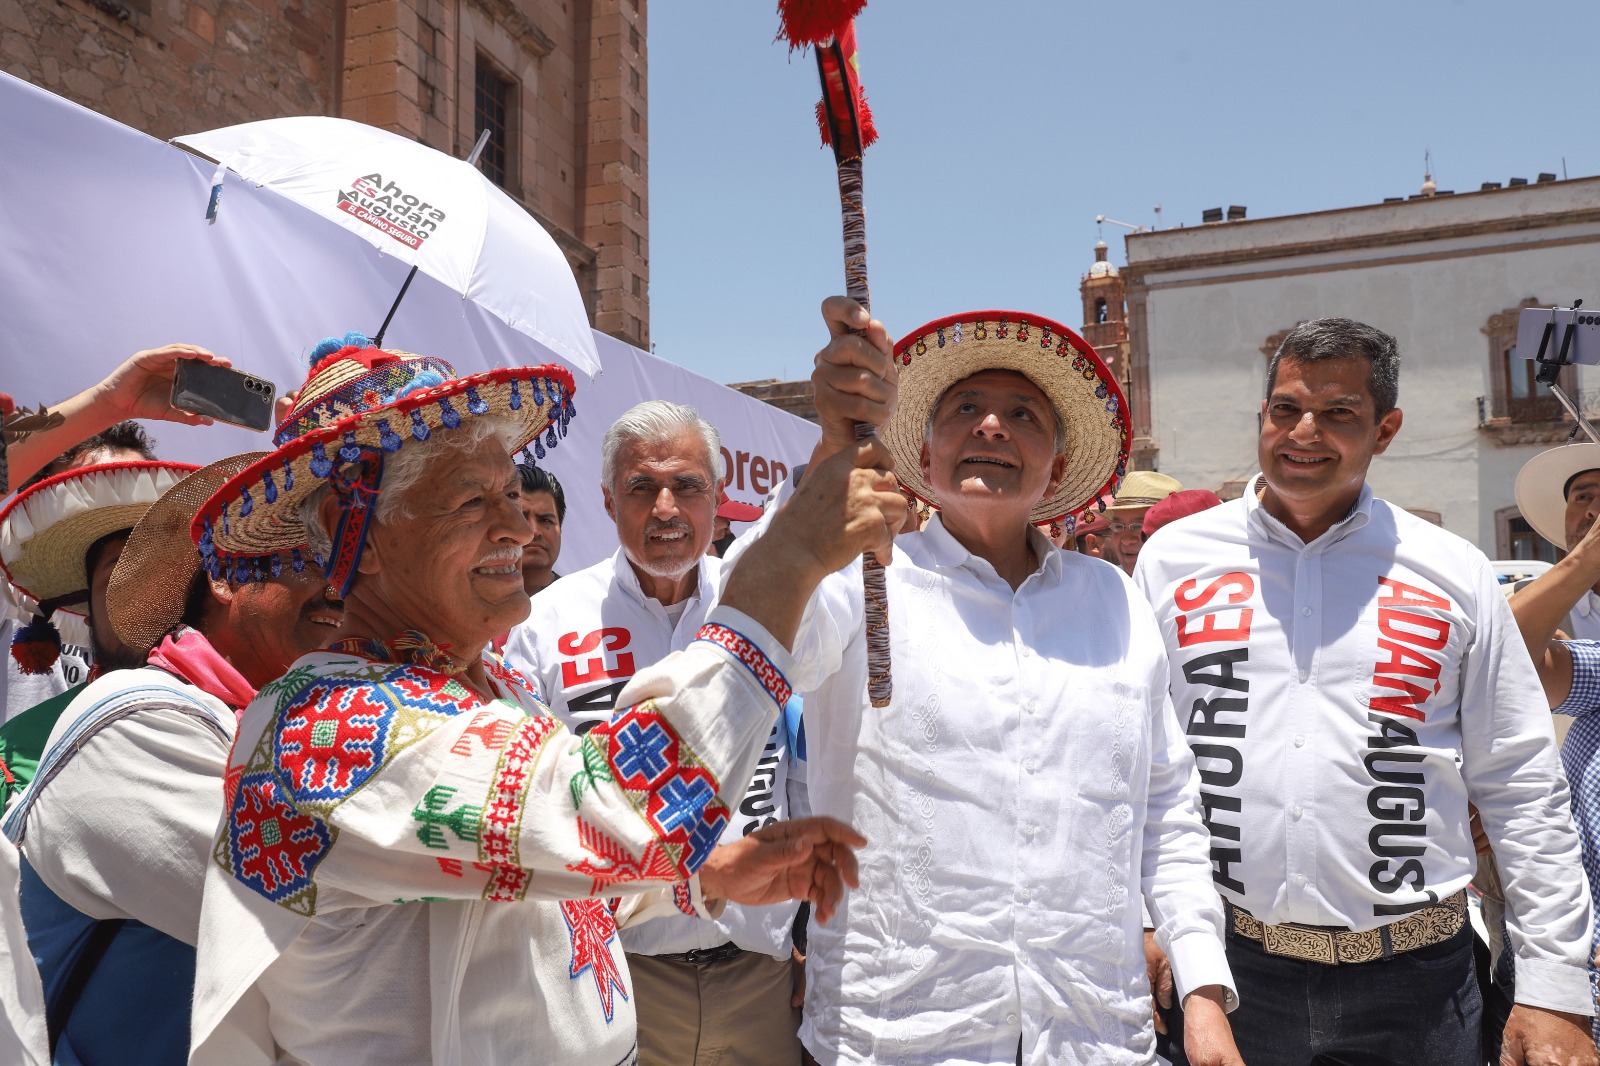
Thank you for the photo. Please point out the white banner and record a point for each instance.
(107, 251)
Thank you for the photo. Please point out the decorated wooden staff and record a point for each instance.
(828, 28)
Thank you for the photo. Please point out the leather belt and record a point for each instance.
(700, 956)
(1331, 945)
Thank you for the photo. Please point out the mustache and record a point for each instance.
(655, 525)
(500, 557)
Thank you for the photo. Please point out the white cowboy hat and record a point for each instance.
(1542, 488)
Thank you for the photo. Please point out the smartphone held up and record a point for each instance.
(223, 393)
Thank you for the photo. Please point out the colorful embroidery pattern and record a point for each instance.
(616, 866)
(665, 782)
(683, 899)
(331, 739)
(509, 676)
(464, 821)
(753, 658)
(593, 929)
(333, 731)
(499, 842)
(273, 848)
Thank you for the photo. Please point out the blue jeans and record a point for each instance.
(1421, 1008)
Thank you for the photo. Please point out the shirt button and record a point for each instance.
(1299, 741)
(1303, 675)
(1297, 811)
(1032, 766)
(1306, 611)
(1031, 706)
(1300, 880)
(1029, 829)
(1011, 1019)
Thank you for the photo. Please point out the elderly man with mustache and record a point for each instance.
(705, 988)
(418, 865)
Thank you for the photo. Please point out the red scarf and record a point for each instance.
(187, 654)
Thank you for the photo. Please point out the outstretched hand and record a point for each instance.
(805, 858)
(142, 386)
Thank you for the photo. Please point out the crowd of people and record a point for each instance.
(311, 755)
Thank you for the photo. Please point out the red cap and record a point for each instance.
(733, 510)
(1180, 504)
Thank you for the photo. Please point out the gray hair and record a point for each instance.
(656, 420)
(404, 468)
(1344, 338)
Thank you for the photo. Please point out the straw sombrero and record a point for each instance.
(359, 404)
(1541, 489)
(1053, 357)
(46, 530)
(150, 585)
(1145, 488)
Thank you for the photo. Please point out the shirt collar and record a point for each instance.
(1587, 604)
(945, 551)
(628, 581)
(1359, 516)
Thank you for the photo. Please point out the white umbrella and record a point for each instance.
(436, 213)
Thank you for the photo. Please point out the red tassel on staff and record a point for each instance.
(843, 116)
(808, 23)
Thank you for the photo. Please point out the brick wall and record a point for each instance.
(170, 66)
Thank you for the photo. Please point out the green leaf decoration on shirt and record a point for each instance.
(464, 821)
(596, 769)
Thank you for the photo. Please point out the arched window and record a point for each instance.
(1100, 312)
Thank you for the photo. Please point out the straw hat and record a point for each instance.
(1053, 357)
(359, 404)
(150, 585)
(1541, 489)
(46, 529)
(1146, 488)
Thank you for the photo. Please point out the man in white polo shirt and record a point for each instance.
(707, 990)
(1350, 677)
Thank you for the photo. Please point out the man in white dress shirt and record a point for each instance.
(1027, 784)
(708, 990)
(1349, 677)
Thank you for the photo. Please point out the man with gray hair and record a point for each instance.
(709, 990)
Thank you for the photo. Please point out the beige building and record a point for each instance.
(560, 83)
(1445, 274)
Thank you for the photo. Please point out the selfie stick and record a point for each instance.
(1549, 371)
(377, 341)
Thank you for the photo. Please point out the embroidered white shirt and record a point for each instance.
(1023, 790)
(586, 636)
(399, 874)
(1344, 700)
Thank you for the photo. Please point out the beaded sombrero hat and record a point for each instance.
(46, 529)
(359, 404)
(1053, 357)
